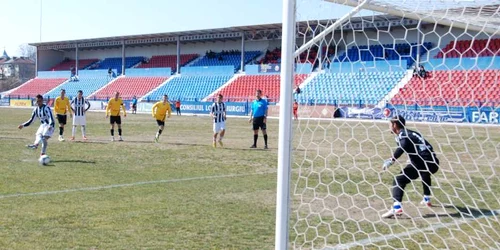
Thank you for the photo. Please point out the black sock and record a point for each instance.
(255, 139)
(61, 131)
(159, 131)
(265, 139)
(120, 132)
(112, 132)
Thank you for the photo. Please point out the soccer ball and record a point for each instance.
(44, 160)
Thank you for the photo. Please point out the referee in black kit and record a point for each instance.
(258, 117)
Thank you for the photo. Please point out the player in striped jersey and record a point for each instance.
(46, 128)
(79, 105)
(160, 111)
(218, 113)
(61, 106)
(113, 112)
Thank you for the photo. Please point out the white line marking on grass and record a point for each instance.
(388, 237)
(129, 185)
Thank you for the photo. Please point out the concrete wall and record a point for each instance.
(49, 58)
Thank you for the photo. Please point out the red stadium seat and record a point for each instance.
(466, 86)
(130, 87)
(37, 86)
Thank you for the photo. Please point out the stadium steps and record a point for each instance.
(58, 86)
(103, 87)
(194, 61)
(308, 80)
(401, 84)
(159, 86)
(262, 55)
(212, 95)
(92, 65)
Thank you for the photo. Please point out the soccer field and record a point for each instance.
(183, 194)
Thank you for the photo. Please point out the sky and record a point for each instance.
(78, 19)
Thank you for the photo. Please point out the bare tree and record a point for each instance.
(28, 51)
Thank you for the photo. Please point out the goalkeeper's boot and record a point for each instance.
(156, 139)
(61, 138)
(396, 210)
(426, 201)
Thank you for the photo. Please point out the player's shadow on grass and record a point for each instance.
(74, 161)
(462, 212)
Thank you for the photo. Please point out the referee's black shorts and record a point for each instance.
(62, 119)
(115, 119)
(160, 123)
(258, 122)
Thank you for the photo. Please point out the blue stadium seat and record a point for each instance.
(115, 63)
(406, 52)
(189, 87)
(90, 81)
(350, 88)
(220, 59)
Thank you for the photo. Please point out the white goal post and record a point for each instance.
(330, 187)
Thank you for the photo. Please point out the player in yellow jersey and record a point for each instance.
(161, 110)
(61, 107)
(113, 112)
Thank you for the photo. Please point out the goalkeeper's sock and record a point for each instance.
(61, 130)
(120, 132)
(397, 205)
(158, 133)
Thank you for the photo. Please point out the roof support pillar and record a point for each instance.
(178, 70)
(242, 67)
(123, 57)
(76, 59)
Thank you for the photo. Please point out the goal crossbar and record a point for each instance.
(468, 18)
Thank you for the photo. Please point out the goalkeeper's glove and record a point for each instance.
(387, 164)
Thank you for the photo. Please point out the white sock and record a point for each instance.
(83, 131)
(37, 140)
(73, 131)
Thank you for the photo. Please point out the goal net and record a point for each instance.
(437, 64)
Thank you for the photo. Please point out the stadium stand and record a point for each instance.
(90, 81)
(447, 88)
(350, 88)
(129, 87)
(116, 63)
(274, 56)
(226, 58)
(470, 48)
(170, 61)
(312, 55)
(400, 51)
(36, 86)
(243, 88)
(189, 87)
(68, 63)
(271, 57)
